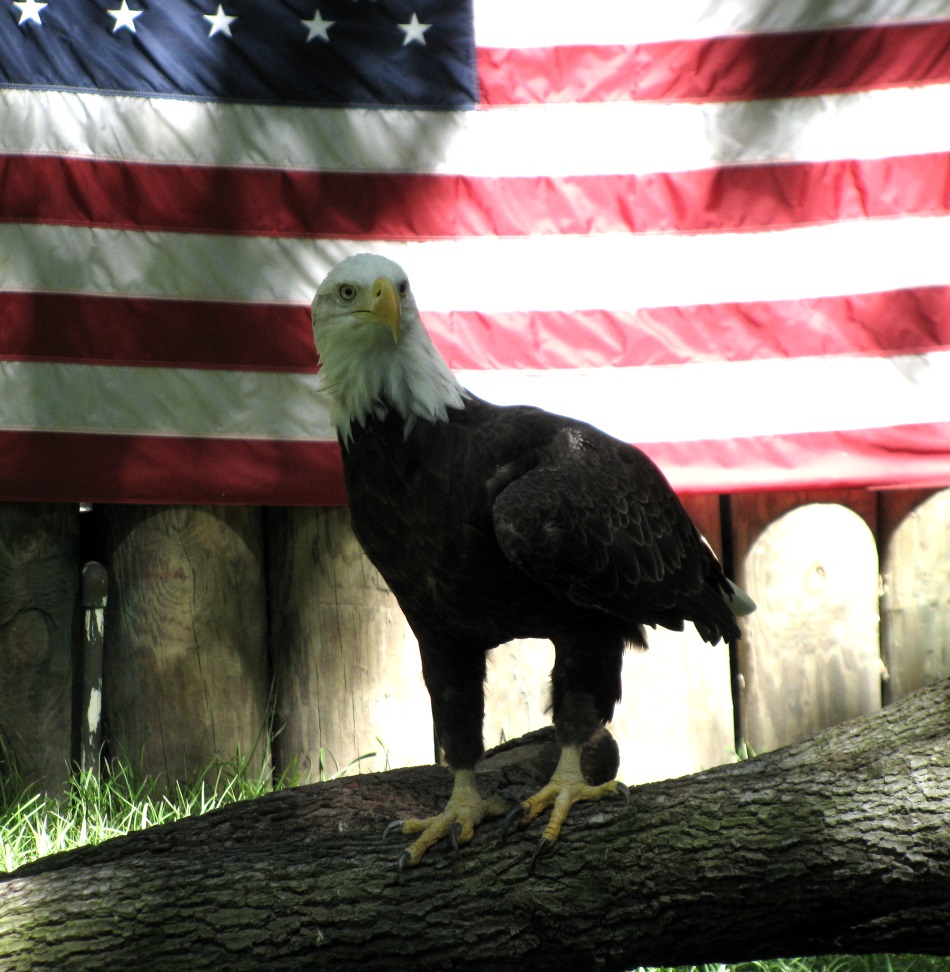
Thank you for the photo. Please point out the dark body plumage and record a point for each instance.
(511, 522)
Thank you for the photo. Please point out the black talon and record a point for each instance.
(624, 792)
(455, 832)
(544, 845)
(403, 860)
(512, 819)
(393, 827)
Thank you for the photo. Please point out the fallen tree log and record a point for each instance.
(839, 844)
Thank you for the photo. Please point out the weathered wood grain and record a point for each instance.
(186, 678)
(39, 622)
(810, 654)
(915, 600)
(347, 667)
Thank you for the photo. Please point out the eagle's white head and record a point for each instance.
(375, 353)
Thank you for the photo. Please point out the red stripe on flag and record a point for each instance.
(253, 202)
(171, 333)
(904, 456)
(59, 467)
(63, 467)
(779, 65)
(892, 322)
(82, 192)
(259, 337)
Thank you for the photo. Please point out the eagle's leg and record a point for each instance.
(585, 687)
(462, 814)
(454, 675)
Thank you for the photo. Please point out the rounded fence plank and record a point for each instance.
(185, 678)
(347, 668)
(915, 605)
(39, 625)
(809, 656)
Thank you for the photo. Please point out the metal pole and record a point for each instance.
(95, 585)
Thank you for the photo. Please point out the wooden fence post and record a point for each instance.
(186, 679)
(810, 654)
(347, 668)
(915, 601)
(39, 615)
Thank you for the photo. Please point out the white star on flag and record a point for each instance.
(29, 10)
(124, 17)
(220, 22)
(414, 31)
(317, 27)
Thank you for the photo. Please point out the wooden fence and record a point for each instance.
(266, 633)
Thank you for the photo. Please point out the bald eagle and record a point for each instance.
(490, 523)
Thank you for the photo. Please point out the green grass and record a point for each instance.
(33, 825)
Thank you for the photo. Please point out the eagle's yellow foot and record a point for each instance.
(462, 814)
(566, 787)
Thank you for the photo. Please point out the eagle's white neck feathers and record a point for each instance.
(366, 371)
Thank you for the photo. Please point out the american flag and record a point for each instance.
(715, 228)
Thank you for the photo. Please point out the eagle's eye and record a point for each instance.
(404, 288)
(347, 291)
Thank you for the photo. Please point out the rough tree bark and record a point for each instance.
(838, 844)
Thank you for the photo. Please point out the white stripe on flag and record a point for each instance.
(554, 23)
(725, 400)
(53, 396)
(709, 400)
(520, 140)
(542, 273)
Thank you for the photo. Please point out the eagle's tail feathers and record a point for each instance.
(740, 602)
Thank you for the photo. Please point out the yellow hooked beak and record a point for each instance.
(386, 306)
